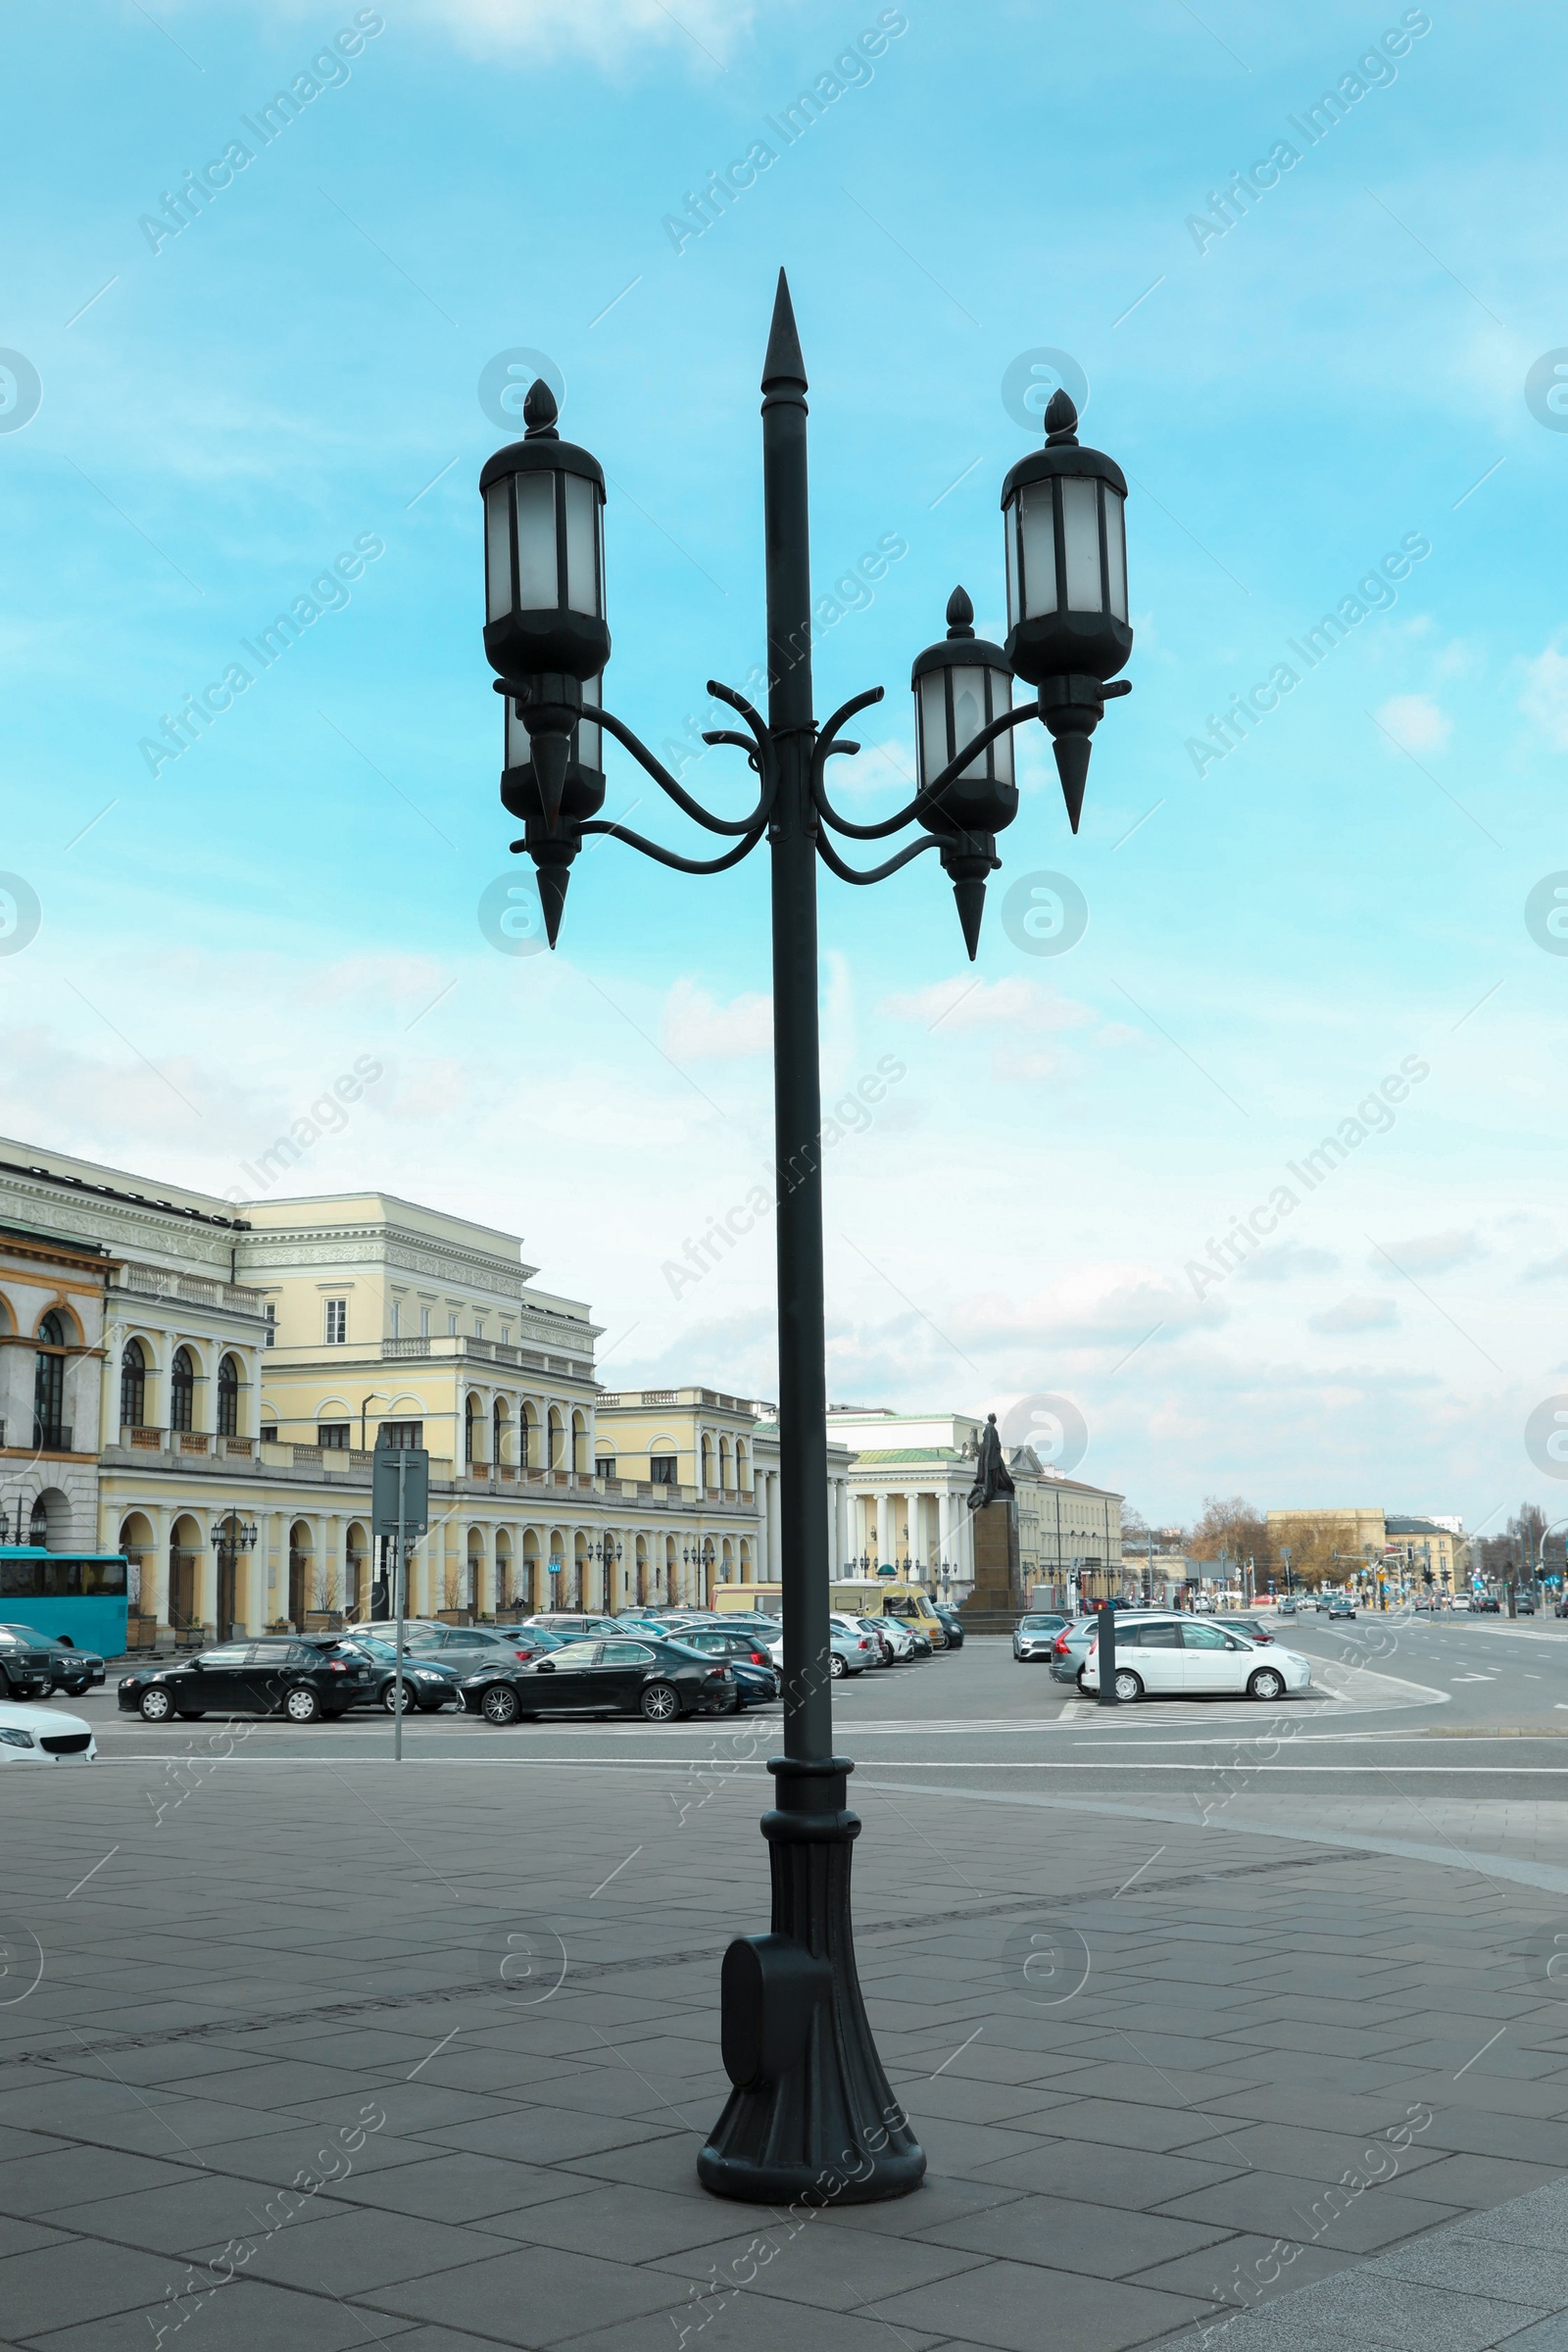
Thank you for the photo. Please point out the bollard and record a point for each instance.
(1107, 1655)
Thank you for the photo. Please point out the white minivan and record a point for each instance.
(1180, 1656)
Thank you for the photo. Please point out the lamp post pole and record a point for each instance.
(812, 2113)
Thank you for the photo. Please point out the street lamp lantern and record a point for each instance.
(810, 2091)
(544, 631)
(962, 685)
(1066, 545)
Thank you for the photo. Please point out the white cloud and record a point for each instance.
(1547, 1269)
(603, 30)
(1356, 1314)
(1012, 1004)
(1289, 1261)
(1545, 697)
(1416, 722)
(1430, 1253)
(698, 1027)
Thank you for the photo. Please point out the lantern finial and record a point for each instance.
(539, 411)
(960, 614)
(1061, 421)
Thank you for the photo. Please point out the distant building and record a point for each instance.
(1379, 1538)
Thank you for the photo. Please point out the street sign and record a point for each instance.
(413, 1462)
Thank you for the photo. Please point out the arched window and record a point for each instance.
(472, 1414)
(49, 1386)
(228, 1398)
(133, 1385)
(181, 1390)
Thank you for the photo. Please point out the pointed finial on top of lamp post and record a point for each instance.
(960, 613)
(539, 411)
(1061, 421)
(783, 364)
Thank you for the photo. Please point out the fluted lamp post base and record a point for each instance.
(813, 2117)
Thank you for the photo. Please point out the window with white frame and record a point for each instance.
(424, 1322)
(337, 1322)
(397, 1320)
(452, 1326)
(271, 1324)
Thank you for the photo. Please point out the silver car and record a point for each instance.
(848, 1653)
(1035, 1635)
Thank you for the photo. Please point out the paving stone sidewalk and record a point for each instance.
(1162, 2075)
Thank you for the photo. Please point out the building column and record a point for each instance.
(884, 1522)
(207, 1578)
(775, 1528)
(943, 1524)
(155, 1580)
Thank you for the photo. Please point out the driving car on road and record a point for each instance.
(1175, 1656)
(1341, 1607)
(660, 1681)
(69, 1669)
(32, 1735)
(280, 1676)
(23, 1664)
(1035, 1635)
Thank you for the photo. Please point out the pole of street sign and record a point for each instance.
(402, 1603)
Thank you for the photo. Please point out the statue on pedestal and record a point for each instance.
(991, 1477)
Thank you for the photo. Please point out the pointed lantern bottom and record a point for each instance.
(830, 2129)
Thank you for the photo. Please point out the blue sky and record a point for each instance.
(1337, 371)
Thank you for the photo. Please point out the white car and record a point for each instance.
(31, 1734)
(1173, 1655)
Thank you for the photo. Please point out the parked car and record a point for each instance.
(1173, 1655)
(282, 1676)
(575, 1623)
(848, 1653)
(632, 1676)
(1035, 1637)
(427, 1684)
(1070, 1648)
(32, 1735)
(879, 1646)
(756, 1678)
(464, 1647)
(951, 1622)
(901, 1642)
(25, 1664)
(1246, 1626)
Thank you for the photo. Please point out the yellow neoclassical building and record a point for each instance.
(245, 1361)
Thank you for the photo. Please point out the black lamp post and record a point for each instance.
(810, 2103)
(229, 1538)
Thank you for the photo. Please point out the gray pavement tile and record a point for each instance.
(535, 2295)
(30, 2184)
(284, 2082)
(543, 2135)
(939, 2198)
(353, 2251)
(1119, 2124)
(796, 2262)
(1010, 2310)
(241, 2317)
(1112, 2177)
(1307, 2213)
(1247, 2270)
(1289, 2147)
(54, 2286)
(19, 2237)
(640, 2225)
(457, 2185)
(1544, 2336)
(954, 2147)
(202, 2209)
(758, 2323)
(1070, 2235)
(14, 2142)
(951, 2096)
(1417, 2318)
(1540, 2219)
(1478, 2266)
(1483, 2181)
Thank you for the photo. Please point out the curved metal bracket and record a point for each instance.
(682, 799)
(924, 801)
(672, 858)
(878, 873)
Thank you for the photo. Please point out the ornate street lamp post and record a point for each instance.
(229, 1538)
(810, 2102)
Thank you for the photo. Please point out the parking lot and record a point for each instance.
(259, 2074)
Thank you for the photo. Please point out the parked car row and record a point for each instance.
(659, 1665)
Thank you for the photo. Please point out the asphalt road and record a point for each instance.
(1457, 1705)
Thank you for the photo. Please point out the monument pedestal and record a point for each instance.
(997, 1576)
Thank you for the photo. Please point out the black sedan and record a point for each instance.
(951, 1622)
(279, 1677)
(426, 1685)
(657, 1680)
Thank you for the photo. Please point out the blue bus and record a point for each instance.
(75, 1596)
